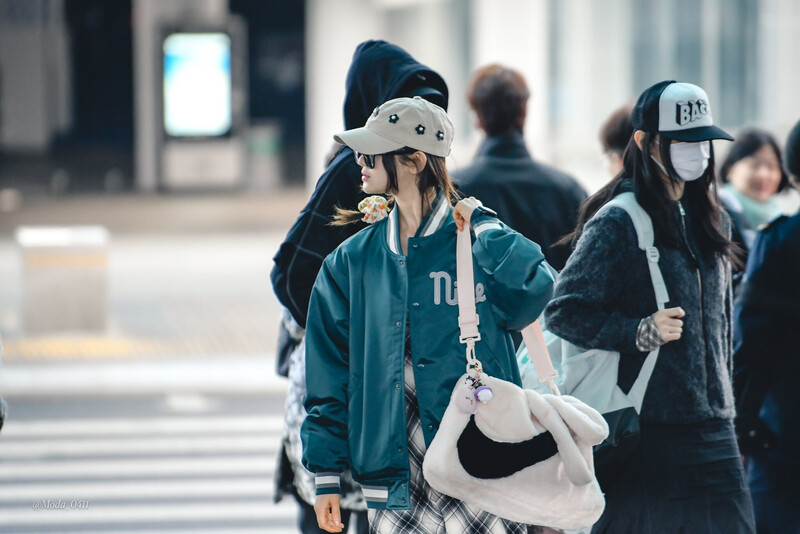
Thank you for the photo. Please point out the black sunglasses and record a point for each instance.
(369, 159)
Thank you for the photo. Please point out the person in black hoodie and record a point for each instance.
(536, 200)
(379, 71)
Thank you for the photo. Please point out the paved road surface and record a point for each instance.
(178, 463)
(169, 421)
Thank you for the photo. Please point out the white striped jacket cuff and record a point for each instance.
(327, 483)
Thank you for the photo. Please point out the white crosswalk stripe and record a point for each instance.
(136, 467)
(140, 446)
(135, 426)
(167, 475)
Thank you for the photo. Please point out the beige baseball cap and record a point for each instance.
(402, 122)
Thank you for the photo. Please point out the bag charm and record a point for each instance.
(473, 391)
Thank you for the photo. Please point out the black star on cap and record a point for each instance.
(440, 135)
(420, 129)
(393, 118)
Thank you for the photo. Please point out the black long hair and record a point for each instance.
(699, 197)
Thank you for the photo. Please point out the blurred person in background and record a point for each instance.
(767, 367)
(615, 134)
(378, 72)
(686, 474)
(752, 175)
(536, 200)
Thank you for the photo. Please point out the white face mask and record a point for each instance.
(689, 160)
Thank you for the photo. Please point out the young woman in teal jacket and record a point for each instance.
(382, 335)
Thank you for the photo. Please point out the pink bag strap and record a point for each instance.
(539, 355)
(468, 320)
(465, 285)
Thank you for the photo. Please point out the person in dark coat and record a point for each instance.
(379, 71)
(536, 200)
(767, 371)
(686, 474)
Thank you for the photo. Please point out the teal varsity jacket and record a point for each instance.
(355, 340)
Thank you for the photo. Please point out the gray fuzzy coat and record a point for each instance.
(605, 290)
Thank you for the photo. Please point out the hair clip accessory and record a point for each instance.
(374, 209)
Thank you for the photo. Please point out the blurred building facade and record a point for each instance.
(581, 58)
(82, 95)
(85, 74)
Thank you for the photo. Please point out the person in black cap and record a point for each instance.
(685, 474)
(767, 367)
(378, 72)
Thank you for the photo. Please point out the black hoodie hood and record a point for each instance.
(381, 71)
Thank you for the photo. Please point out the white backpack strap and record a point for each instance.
(644, 232)
(639, 387)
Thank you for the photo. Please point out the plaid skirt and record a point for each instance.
(432, 512)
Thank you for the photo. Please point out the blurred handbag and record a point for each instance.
(592, 375)
(518, 454)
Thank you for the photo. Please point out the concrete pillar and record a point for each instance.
(779, 64)
(61, 68)
(710, 60)
(148, 19)
(438, 34)
(333, 29)
(591, 76)
(517, 36)
(35, 97)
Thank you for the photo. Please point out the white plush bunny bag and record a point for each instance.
(516, 453)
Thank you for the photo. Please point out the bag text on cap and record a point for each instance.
(690, 111)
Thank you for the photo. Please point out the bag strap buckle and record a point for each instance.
(652, 254)
(469, 329)
(474, 367)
